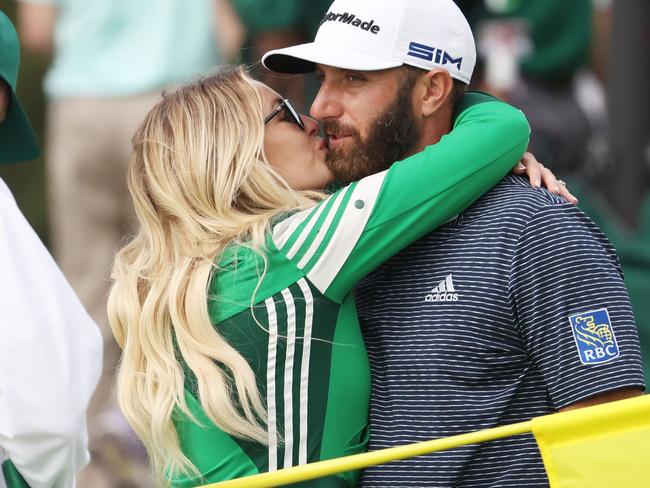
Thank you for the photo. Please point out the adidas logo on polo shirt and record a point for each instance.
(444, 292)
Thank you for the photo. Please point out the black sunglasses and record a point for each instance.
(293, 114)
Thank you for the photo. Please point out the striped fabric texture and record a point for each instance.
(321, 239)
(471, 327)
(288, 375)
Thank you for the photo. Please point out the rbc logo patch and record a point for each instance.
(594, 336)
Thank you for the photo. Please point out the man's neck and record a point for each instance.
(433, 128)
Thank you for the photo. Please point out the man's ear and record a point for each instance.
(436, 89)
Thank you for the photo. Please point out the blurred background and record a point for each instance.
(580, 70)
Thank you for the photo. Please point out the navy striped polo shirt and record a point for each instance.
(515, 309)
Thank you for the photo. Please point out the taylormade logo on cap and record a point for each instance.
(351, 19)
(427, 34)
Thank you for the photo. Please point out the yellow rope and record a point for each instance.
(360, 461)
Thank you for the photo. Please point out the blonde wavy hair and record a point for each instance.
(199, 181)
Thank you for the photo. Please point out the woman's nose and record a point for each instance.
(311, 125)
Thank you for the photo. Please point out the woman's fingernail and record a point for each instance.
(520, 166)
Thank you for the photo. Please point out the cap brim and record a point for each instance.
(303, 58)
(17, 138)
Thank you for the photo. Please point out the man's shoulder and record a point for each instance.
(517, 191)
(513, 197)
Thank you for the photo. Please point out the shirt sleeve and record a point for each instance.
(572, 307)
(365, 223)
(50, 359)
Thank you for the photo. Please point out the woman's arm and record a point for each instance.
(365, 223)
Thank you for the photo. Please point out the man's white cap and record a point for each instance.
(369, 35)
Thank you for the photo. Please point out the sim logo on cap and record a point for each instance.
(436, 55)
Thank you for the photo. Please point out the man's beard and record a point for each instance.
(391, 138)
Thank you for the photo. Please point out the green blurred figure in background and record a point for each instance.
(274, 24)
(530, 54)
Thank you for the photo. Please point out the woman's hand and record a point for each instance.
(537, 174)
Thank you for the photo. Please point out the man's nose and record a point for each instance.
(325, 105)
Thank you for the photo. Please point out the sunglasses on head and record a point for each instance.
(285, 105)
